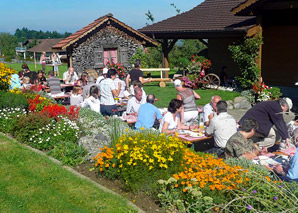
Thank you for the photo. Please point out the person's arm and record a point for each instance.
(210, 129)
(142, 80)
(197, 96)
(166, 130)
(182, 111)
(276, 116)
(116, 92)
(127, 80)
(181, 125)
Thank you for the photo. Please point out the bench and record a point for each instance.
(162, 81)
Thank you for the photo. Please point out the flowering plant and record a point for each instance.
(117, 66)
(5, 76)
(54, 111)
(198, 62)
(264, 92)
(9, 117)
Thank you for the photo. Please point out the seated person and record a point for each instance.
(92, 101)
(70, 76)
(36, 86)
(222, 127)
(135, 102)
(26, 83)
(90, 83)
(290, 173)
(41, 78)
(148, 113)
(224, 79)
(209, 110)
(76, 97)
(103, 76)
(123, 85)
(240, 144)
(138, 84)
(171, 123)
(15, 82)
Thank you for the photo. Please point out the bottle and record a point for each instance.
(202, 128)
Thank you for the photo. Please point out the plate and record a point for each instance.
(196, 135)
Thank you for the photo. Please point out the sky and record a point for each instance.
(72, 15)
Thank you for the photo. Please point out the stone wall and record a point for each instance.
(89, 54)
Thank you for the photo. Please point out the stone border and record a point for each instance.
(129, 203)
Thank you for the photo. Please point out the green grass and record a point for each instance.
(30, 182)
(169, 92)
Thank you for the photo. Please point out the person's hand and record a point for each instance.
(288, 142)
(279, 169)
(264, 151)
(119, 85)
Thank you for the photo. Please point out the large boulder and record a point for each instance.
(241, 103)
(230, 104)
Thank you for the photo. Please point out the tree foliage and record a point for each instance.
(8, 44)
(246, 56)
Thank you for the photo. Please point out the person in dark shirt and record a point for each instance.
(224, 80)
(267, 114)
(136, 74)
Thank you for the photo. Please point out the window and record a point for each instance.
(110, 54)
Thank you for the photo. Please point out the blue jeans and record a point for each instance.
(108, 110)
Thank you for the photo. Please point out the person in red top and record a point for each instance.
(36, 86)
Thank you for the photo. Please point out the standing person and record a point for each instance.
(55, 61)
(92, 101)
(148, 113)
(103, 76)
(76, 97)
(43, 61)
(210, 109)
(189, 112)
(267, 114)
(135, 74)
(70, 76)
(135, 102)
(108, 92)
(222, 127)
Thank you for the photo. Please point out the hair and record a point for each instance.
(111, 72)
(26, 80)
(94, 91)
(76, 90)
(137, 90)
(221, 106)
(137, 83)
(174, 105)
(25, 66)
(51, 73)
(33, 77)
(223, 68)
(39, 71)
(283, 102)
(137, 63)
(248, 124)
(83, 78)
(91, 79)
(150, 98)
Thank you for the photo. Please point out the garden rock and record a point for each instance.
(241, 103)
(230, 104)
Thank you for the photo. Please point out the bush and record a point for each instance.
(69, 153)
(11, 100)
(9, 118)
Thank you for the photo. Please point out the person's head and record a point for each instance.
(224, 68)
(214, 100)
(286, 104)
(25, 67)
(77, 90)
(221, 106)
(40, 74)
(137, 63)
(44, 53)
(112, 74)
(94, 91)
(175, 105)
(177, 83)
(137, 83)
(150, 99)
(138, 93)
(84, 78)
(50, 74)
(249, 125)
(91, 79)
(70, 70)
(105, 72)
(26, 80)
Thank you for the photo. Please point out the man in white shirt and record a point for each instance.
(135, 102)
(210, 109)
(103, 76)
(70, 76)
(222, 127)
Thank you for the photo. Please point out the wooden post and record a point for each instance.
(165, 56)
(34, 60)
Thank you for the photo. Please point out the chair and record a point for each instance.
(54, 84)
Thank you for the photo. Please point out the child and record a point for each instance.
(76, 97)
(92, 101)
(26, 83)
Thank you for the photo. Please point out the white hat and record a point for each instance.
(105, 70)
(177, 83)
(289, 102)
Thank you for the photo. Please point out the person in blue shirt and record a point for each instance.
(15, 82)
(292, 174)
(148, 113)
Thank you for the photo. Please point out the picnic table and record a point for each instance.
(162, 79)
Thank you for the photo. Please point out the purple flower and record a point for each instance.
(243, 190)
(275, 198)
(254, 192)
(249, 207)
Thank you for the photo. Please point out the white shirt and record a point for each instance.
(99, 79)
(208, 109)
(72, 79)
(168, 117)
(93, 103)
(116, 81)
(76, 99)
(106, 95)
(133, 105)
(222, 127)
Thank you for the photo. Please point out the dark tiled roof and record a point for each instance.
(95, 24)
(45, 45)
(209, 16)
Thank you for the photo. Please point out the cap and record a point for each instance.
(105, 70)
(177, 83)
(289, 102)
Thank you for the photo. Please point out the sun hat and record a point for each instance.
(177, 83)
(289, 102)
(105, 70)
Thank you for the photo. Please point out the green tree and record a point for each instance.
(8, 44)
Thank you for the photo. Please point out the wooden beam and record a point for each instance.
(204, 42)
(34, 55)
(165, 56)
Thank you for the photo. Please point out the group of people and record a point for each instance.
(55, 60)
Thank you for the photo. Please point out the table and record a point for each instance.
(194, 140)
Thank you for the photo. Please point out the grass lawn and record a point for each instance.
(30, 182)
(169, 92)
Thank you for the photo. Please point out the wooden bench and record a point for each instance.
(162, 81)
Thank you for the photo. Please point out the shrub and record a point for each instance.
(69, 153)
(9, 118)
(54, 111)
(11, 100)
(37, 103)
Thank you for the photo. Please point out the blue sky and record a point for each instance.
(72, 15)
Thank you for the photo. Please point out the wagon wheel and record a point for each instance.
(211, 81)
